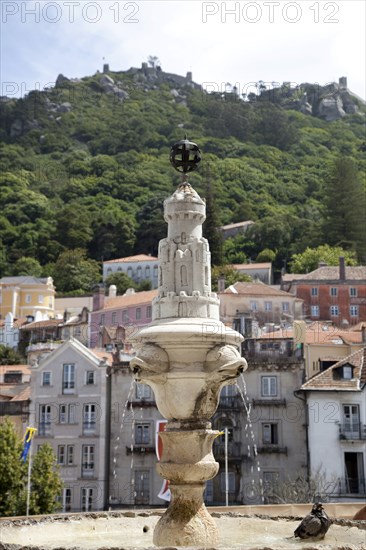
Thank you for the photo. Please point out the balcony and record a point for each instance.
(352, 486)
(42, 346)
(44, 429)
(140, 449)
(354, 432)
(271, 402)
(272, 449)
(231, 402)
(87, 470)
(233, 450)
(89, 428)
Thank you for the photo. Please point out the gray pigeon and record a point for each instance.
(315, 524)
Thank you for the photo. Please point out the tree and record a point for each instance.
(211, 228)
(9, 356)
(122, 282)
(73, 272)
(152, 227)
(230, 275)
(310, 258)
(27, 266)
(266, 255)
(46, 484)
(233, 250)
(345, 207)
(12, 470)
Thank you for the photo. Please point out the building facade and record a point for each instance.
(15, 395)
(337, 294)
(69, 408)
(336, 404)
(139, 268)
(24, 295)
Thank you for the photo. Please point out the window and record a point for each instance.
(102, 319)
(70, 455)
(90, 377)
(270, 483)
(285, 307)
(13, 378)
(89, 418)
(139, 272)
(314, 291)
(143, 391)
(114, 318)
(86, 499)
(61, 455)
(66, 499)
(315, 311)
(353, 292)
(138, 313)
(347, 373)
(353, 310)
(147, 272)
(148, 312)
(129, 272)
(119, 268)
(125, 316)
(46, 378)
(68, 378)
(87, 468)
(67, 413)
(142, 434)
(40, 298)
(334, 311)
(231, 482)
(28, 299)
(44, 420)
(270, 434)
(155, 271)
(109, 270)
(253, 306)
(269, 386)
(351, 420)
(334, 291)
(142, 487)
(267, 306)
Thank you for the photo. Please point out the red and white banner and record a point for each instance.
(164, 493)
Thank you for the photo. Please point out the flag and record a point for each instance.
(27, 440)
(164, 493)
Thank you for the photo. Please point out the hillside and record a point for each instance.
(86, 164)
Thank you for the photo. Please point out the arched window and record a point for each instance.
(147, 272)
(119, 269)
(109, 270)
(183, 237)
(139, 272)
(129, 272)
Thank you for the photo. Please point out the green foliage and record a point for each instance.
(233, 250)
(211, 229)
(310, 258)
(8, 356)
(266, 255)
(27, 266)
(122, 282)
(95, 177)
(73, 272)
(46, 484)
(230, 275)
(12, 470)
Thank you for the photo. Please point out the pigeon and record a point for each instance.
(315, 524)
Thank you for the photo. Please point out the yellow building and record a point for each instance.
(24, 295)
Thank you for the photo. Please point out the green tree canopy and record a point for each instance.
(8, 356)
(46, 484)
(121, 280)
(230, 275)
(310, 258)
(12, 470)
(73, 272)
(27, 266)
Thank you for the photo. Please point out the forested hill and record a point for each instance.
(85, 165)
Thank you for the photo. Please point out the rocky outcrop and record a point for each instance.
(110, 87)
(331, 108)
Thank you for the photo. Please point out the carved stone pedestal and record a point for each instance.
(187, 462)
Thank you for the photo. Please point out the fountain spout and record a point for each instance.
(186, 355)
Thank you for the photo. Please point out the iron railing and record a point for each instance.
(352, 432)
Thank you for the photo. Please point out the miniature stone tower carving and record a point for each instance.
(186, 355)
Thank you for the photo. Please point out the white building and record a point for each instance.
(70, 411)
(139, 268)
(336, 402)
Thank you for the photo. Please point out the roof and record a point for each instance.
(137, 258)
(315, 334)
(263, 265)
(103, 355)
(256, 289)
(24, 395)
(331, 273)
(234, 225)
(129, 300)
(49, 323)
(327, 381)
(24, 280)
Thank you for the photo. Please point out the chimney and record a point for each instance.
(98, 297)
(342, 269)
(112, 292)
(363, 332)
(221, 284)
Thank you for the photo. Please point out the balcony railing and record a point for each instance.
(44, 429)
(232, 402)
(352, 432)
(233, 450)
(269, 449)
(89, 428)
(41, 346)
(352, 486)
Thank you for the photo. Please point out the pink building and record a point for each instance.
(133, 309)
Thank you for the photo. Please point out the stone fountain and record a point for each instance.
(186, 355)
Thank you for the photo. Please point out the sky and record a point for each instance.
(220, 42)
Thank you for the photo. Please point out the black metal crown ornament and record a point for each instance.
(185, 156)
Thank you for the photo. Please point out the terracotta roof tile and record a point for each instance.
(331, 273)
(238, 224)
(257, 289)
(128, 300)
(24, 395)
(263, 265)
(137, 258)
(315, 335)
(24, 369)
(103, 355)
(43, 324)
(328, 381)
